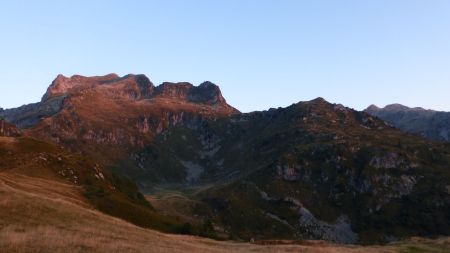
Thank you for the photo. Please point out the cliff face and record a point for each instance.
(110, 114)
(137, 87)
(8, 130)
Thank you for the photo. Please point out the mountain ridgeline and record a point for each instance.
(313, 170)
(433, 125)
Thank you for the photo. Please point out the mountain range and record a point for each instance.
(176, 157)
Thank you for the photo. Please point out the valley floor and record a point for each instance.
(38, 215)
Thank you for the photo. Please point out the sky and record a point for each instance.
(261, 53)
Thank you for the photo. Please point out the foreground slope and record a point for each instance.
(95, 186)
(41, 215)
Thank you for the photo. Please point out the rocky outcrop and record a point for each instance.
(289, 172)
(8, 130)
(62, 84)
(129, 86)
(389, 161)
(68, 91)
(173, 90)
(206, 93)
(29, 115)
(341, 231)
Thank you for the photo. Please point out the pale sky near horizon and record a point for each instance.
(261, 53)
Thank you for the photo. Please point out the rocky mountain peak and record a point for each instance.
(318, 100)
(396, 107)
(138, 87)
(372, 108)
(134, 86)
(207, 84)
(63, 84)
(102, 92)
(207, 92)
(143, 81)
(173, 90)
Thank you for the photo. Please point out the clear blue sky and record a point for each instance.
(262, 53)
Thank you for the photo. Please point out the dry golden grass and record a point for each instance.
(6, 140)
(39, 215)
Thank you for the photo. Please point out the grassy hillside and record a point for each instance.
(96, 186)
(41, 215)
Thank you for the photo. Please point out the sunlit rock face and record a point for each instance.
(112, 114)
(8, 130)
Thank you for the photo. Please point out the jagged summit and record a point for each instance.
(207, 84)
(63, 84)
(206, 93)
(138, 87)
(173, 90)
(105, 92)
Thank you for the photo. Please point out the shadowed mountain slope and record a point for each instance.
(92, 185)
(433, 125)
(311, 170)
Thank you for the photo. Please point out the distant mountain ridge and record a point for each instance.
(434, 125)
